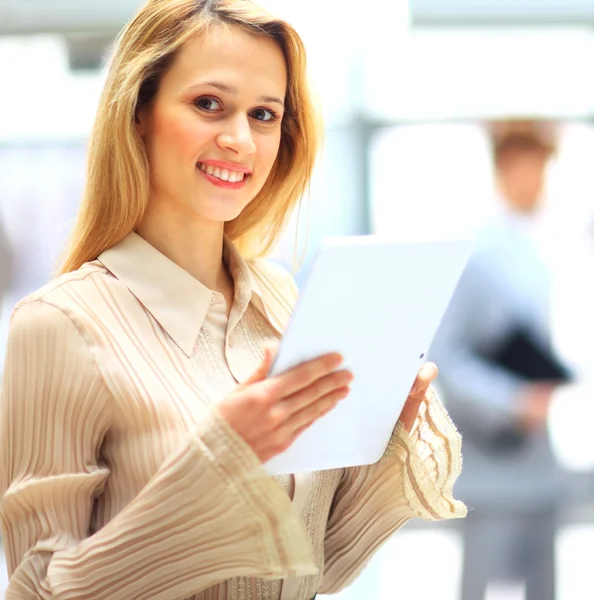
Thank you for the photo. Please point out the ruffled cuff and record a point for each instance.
(287, 546)
(433, 461)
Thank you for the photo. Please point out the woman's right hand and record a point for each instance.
(269, 413)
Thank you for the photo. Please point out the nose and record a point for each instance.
(236, 136)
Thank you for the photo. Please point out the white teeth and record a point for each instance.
(223, 174)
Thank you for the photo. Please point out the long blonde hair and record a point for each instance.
(117, 186)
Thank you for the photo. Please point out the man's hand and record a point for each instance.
(533, 406)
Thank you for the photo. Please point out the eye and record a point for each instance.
(265, 115)
(208, 103)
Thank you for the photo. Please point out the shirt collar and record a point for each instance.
(178, 301)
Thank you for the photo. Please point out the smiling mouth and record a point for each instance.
(223, 174)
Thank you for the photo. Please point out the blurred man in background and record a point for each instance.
(498, 372)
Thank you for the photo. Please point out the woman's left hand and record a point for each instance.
(425, 378)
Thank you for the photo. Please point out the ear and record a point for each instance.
(140, 122)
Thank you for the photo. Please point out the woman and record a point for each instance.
(136, 412)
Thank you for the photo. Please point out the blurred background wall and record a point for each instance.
(406, 88)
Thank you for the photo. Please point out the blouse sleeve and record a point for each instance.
(208, 514)
(415, 478)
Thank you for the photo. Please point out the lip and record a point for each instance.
(221, 164)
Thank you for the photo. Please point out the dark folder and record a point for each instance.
(523, 356)
(528, 359)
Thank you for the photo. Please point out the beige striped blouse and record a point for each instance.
(120, 481)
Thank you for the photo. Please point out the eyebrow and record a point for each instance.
(228, 89)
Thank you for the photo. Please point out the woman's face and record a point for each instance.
(213, 130)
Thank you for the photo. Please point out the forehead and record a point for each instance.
(233, 56)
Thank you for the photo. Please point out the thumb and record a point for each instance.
(425, 378)
(262, 370)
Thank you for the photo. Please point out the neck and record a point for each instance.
(195, 246)
(527, 209)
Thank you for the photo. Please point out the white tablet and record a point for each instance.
(379, 303)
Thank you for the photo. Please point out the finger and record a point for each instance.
(263, 369)
(426, 376)
(315, 391)
(305, 427)
(300, 377)
(311, 413)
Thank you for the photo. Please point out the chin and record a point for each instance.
(221, 212)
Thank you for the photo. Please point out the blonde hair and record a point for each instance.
(117, 186)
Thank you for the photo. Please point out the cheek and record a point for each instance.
(268, 151)
(176, 136)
